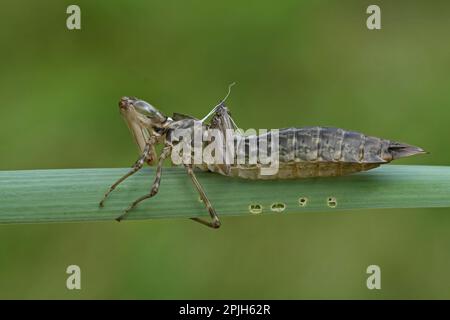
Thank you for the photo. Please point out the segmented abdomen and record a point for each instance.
(316, 152)
(323, 144)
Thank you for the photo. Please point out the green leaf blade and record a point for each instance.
(68, 195)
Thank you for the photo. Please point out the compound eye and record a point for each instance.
(144, 108)
(149, 111)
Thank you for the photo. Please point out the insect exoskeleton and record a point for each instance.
(293, 152)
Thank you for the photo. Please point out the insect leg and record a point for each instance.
(155, 187)
(215, 223)
(136, 167)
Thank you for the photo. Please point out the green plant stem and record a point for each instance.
(73, 195)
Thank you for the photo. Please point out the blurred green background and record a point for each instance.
(296, 63)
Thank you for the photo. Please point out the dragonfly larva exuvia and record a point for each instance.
(297, 152)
